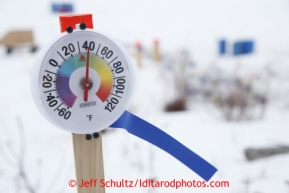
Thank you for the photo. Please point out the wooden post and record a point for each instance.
(156, 51)
(89, 163)
(138, 54)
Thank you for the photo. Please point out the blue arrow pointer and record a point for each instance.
(157, 137)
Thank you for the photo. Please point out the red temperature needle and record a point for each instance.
(86, 82)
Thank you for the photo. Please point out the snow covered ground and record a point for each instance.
(192, 25)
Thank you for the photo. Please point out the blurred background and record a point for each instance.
(213, 74)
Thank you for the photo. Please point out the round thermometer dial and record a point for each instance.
(82, 81)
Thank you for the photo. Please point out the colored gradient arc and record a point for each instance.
(86, 82)
(72, 64)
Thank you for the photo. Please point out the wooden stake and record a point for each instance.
(89, 163)
(156, 51)
(138, 54)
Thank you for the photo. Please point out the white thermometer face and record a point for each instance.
(75, 61)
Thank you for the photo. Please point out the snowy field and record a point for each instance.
(190, 24)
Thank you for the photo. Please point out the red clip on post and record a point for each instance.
(72, 20)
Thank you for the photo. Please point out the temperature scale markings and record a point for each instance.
(60, 65)
(61, 56)
(98, 49)
(115, 95)
(50, 91)
(58, 107)
(50, 72)
(113, 60)
(62, 101)
(78, 47)
(103, 58)
(118, 77)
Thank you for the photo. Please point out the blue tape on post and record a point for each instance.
(157, 137)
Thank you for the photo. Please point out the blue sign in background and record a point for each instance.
(243, 47)
(62, 8)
